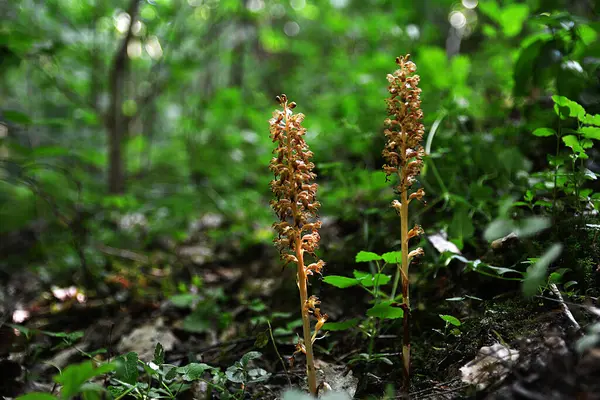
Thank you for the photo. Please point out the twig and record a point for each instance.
(123, 253)
(565, 308)
(279, 355)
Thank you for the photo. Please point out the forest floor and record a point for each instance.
(220, 309)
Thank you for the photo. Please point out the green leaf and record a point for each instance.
(368, 280)
(544, 132)
(565, 107)
(529, 59)
(127, 370)
(159, 354)
(251, 355)
(37, 396)
(193, 371)
(591, 119)
(23, 329)
(531, 226)
(75, 375)
(512, 18)
(184, 300)
(366, 256)
(491, 9)
(16, 117)
(589, 175)
(498, 270)
(381, 279)
(199, 321)
(92, 391)
(489, 31)
(498, 229)
(536, 274)
(573, 142)
(385, 310)
(569, 284)
(257, 375)
(71, 337)
(50, 151)
(450, 319)
(555, 278)
(473, 297)
(116, 391)
(590, 132)
(341, 282)
(171, 374)
(262, 339)
(341, 326)
(393, 257)
(481, 267)
(235, 374)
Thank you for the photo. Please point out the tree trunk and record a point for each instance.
(116, 123)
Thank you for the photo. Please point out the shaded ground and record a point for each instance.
(218, 310)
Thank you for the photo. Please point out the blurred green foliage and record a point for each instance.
(200, 89)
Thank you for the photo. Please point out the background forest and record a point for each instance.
(134, 196)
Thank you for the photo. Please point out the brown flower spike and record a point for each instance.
(404, 156)
(296, 207)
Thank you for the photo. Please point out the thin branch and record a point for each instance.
(279, 355)
(122, 253)
(565, 308)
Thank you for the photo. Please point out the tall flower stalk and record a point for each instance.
(296, 207)
(404, 156)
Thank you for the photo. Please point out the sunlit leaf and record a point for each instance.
(385, 310)
(369, 280)
(366, 256)
(512, 18)
(392, 257)
(450, 319)
(590, 119)
(590, 132)
(566, 107)
(573, 142)
(340, 281)
(544, 132)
